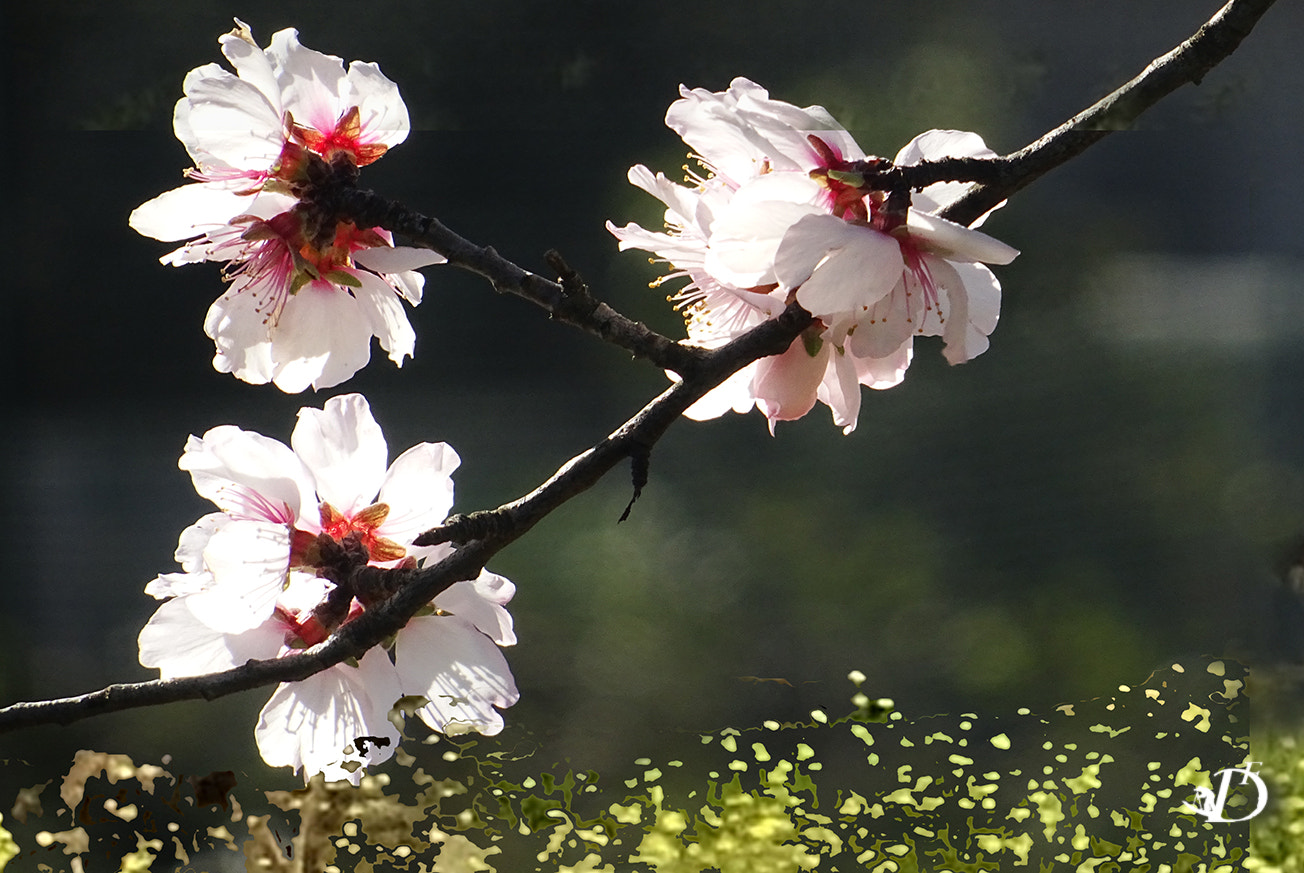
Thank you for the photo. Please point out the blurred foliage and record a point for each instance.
(1096, 785)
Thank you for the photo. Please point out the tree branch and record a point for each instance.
(514, 519)
(484, 534)
(1188, 62)
(567, 301)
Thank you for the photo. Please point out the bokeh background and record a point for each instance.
(1118, 482)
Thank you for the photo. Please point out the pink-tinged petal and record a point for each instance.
(786, 384)
(238, 327)
(974, 298)
(249, 561)
(379, 302)
(345, 449)
(840, 390)
(481, 602)
(397, 259)
(312, 83)
(459, 670)
(248, 475)
(189, 210)
(177, 643)
(861, 267)
(418, 489)
(734, 393)
(889, 323)
(882, 373)
(383, 115)
(320, 340)
(334, 722)
(955, 241)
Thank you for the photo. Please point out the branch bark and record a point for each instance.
(484, 534)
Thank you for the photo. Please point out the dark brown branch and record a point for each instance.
(1188, 62)
(484, 534)
(512, 520)
(562, 300)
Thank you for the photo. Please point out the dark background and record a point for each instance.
(1115, 484)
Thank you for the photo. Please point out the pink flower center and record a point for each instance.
(345, 138)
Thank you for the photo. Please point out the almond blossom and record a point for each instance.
(782, 216)
(308, 290)
(274, 571)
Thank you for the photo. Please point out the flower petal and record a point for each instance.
(459, 670)
(955, 241)
(248, 475)
(249, 561)
(334, 722)
(418, 489)
(481, 602)
(345, 450)
(321, 339)
(397, 259)
(177, 642)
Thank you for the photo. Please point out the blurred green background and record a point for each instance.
(1117, 482)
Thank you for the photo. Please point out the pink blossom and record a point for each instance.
(308, 292)
(261, 579)
(777, 218)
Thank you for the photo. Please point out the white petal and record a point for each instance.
(397, 259)
(936, 144)
(176, 642)
(238, 328)
(734, 393)
(379, 302)
(249, 561)
(167, 585)
(189, 210)
(418, 489)
(224, 121)
(194, 539)
(321, 339)
(747, 234)
(324, 723)
(345, 450)
(481, 602)
(861, 267)
(459, 670)
(382, 113)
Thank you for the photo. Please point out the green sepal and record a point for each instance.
(812, 342)
(339, 277)
(855, 180)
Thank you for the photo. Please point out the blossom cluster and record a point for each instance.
(784, 214)
(277, 568)
(308, 289)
